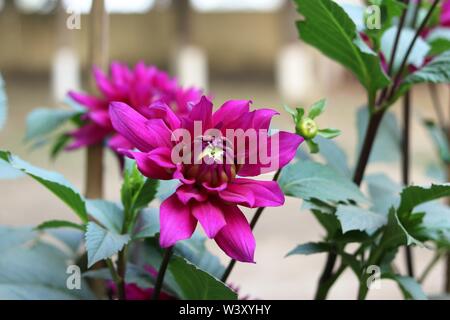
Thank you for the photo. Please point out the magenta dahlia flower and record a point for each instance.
(138, 88)
(210, 154)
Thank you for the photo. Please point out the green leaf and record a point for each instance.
(384, 192)
(310, 248)
(334, 155)
(137, 191)
(418, 53)
(439, 40)
(52, 224)
(440, 140)
(410, 288)
(317, 109)
(43, 121)
(308, 180)
(329, 133)
(313, 147)
(436, 223)
(354, 218)
(102, 244)
(37, 272)
(413, 196)
(195, 251)
(328, 28)
(148, 224)
(398, 232)
(107, 213)
(134, 274)
(12, 237)
(386, 146)
(53, 181)
(3, 103)
(436, 71)
(60, 143)
(196, 284)
(7, 172)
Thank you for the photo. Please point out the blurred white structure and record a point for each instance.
(191, 65)
(65, 74)
(294, 73)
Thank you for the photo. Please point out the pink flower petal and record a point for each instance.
(187, 193)
(118, 141)
(87, 135)
(131, 125)
(202, 111)
(236, 238)
(253, 193)
(103, 84)
(230, 111)
(90, 102)
(155, 164)
(210, 217)
(177, 222)
(100, 117)
(277, 158)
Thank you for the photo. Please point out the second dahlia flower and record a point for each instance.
(210, 154)
(138, 87)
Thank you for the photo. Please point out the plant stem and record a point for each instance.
(410, 48)
(116, 278)
(99, 34)
(161, 273)
(406, 166)
(372, 129)
(253, 222)
(121, 271)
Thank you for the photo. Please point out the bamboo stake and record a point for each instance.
(99, 40)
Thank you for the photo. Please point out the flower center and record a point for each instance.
(214, 165)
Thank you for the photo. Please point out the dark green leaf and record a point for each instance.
(327, 27)
(413, 196)
(54, 182)
(196, 284)
(52, 224)
(148, 224)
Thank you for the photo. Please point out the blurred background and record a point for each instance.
(236, 49)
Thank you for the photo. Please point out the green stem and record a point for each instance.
(121, 271)
(161, 273)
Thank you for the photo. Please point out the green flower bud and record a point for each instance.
(307, 128)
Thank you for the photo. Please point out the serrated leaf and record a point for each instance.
(354, 218)
(53, 224)
(334, 155)
(54, 182)
(196, 284)
(310, 248)
(308, 180)
(384, 192)
(328, 28)
(102, 244)
(413, 196)
(148, 224)
(107, 213)
(439, 40)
